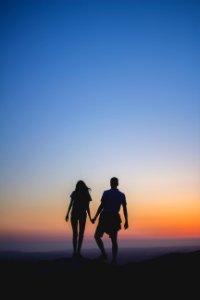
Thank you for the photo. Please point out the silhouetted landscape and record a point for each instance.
(55, 273)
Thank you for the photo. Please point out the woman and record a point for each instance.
(80, 201)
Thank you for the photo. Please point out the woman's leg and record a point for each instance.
(74, 222)
(82, 221)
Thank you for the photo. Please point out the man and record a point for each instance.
(109, 220)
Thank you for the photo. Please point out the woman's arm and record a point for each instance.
(69, 208)
(88, 212)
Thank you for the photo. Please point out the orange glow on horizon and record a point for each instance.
(174, 215)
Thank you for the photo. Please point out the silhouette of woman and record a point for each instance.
(80, 205)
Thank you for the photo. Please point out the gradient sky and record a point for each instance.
(95, 89)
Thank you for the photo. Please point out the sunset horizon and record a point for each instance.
(92, 90)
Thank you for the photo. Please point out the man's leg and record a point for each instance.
(114, 247)
(97, 236)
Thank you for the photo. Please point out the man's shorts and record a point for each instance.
(109, 222)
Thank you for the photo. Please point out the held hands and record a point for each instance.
(93, 220)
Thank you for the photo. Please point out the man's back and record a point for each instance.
(112, 200)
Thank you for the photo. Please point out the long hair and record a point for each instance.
(81, 187)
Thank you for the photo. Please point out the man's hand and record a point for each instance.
(126, 225)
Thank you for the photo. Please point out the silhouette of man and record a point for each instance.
(109, 220)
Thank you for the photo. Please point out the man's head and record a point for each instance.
(114, 182)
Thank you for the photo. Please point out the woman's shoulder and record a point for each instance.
(89, 197)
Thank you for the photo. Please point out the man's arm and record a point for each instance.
(100, 208)
(125, 216)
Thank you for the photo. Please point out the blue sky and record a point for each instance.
(93, 89)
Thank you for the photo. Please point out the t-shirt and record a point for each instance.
(80, 201)
(112, 200)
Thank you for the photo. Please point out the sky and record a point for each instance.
(95, 89)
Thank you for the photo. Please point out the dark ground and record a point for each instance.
(169, 276)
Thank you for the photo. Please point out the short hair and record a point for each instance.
(114, 182)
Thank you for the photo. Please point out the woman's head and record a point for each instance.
(81, 186)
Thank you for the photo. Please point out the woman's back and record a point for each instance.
(80, 201)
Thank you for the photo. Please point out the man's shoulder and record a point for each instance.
(123, 198)
(114, 191)
(121, 193)
(106, 192)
